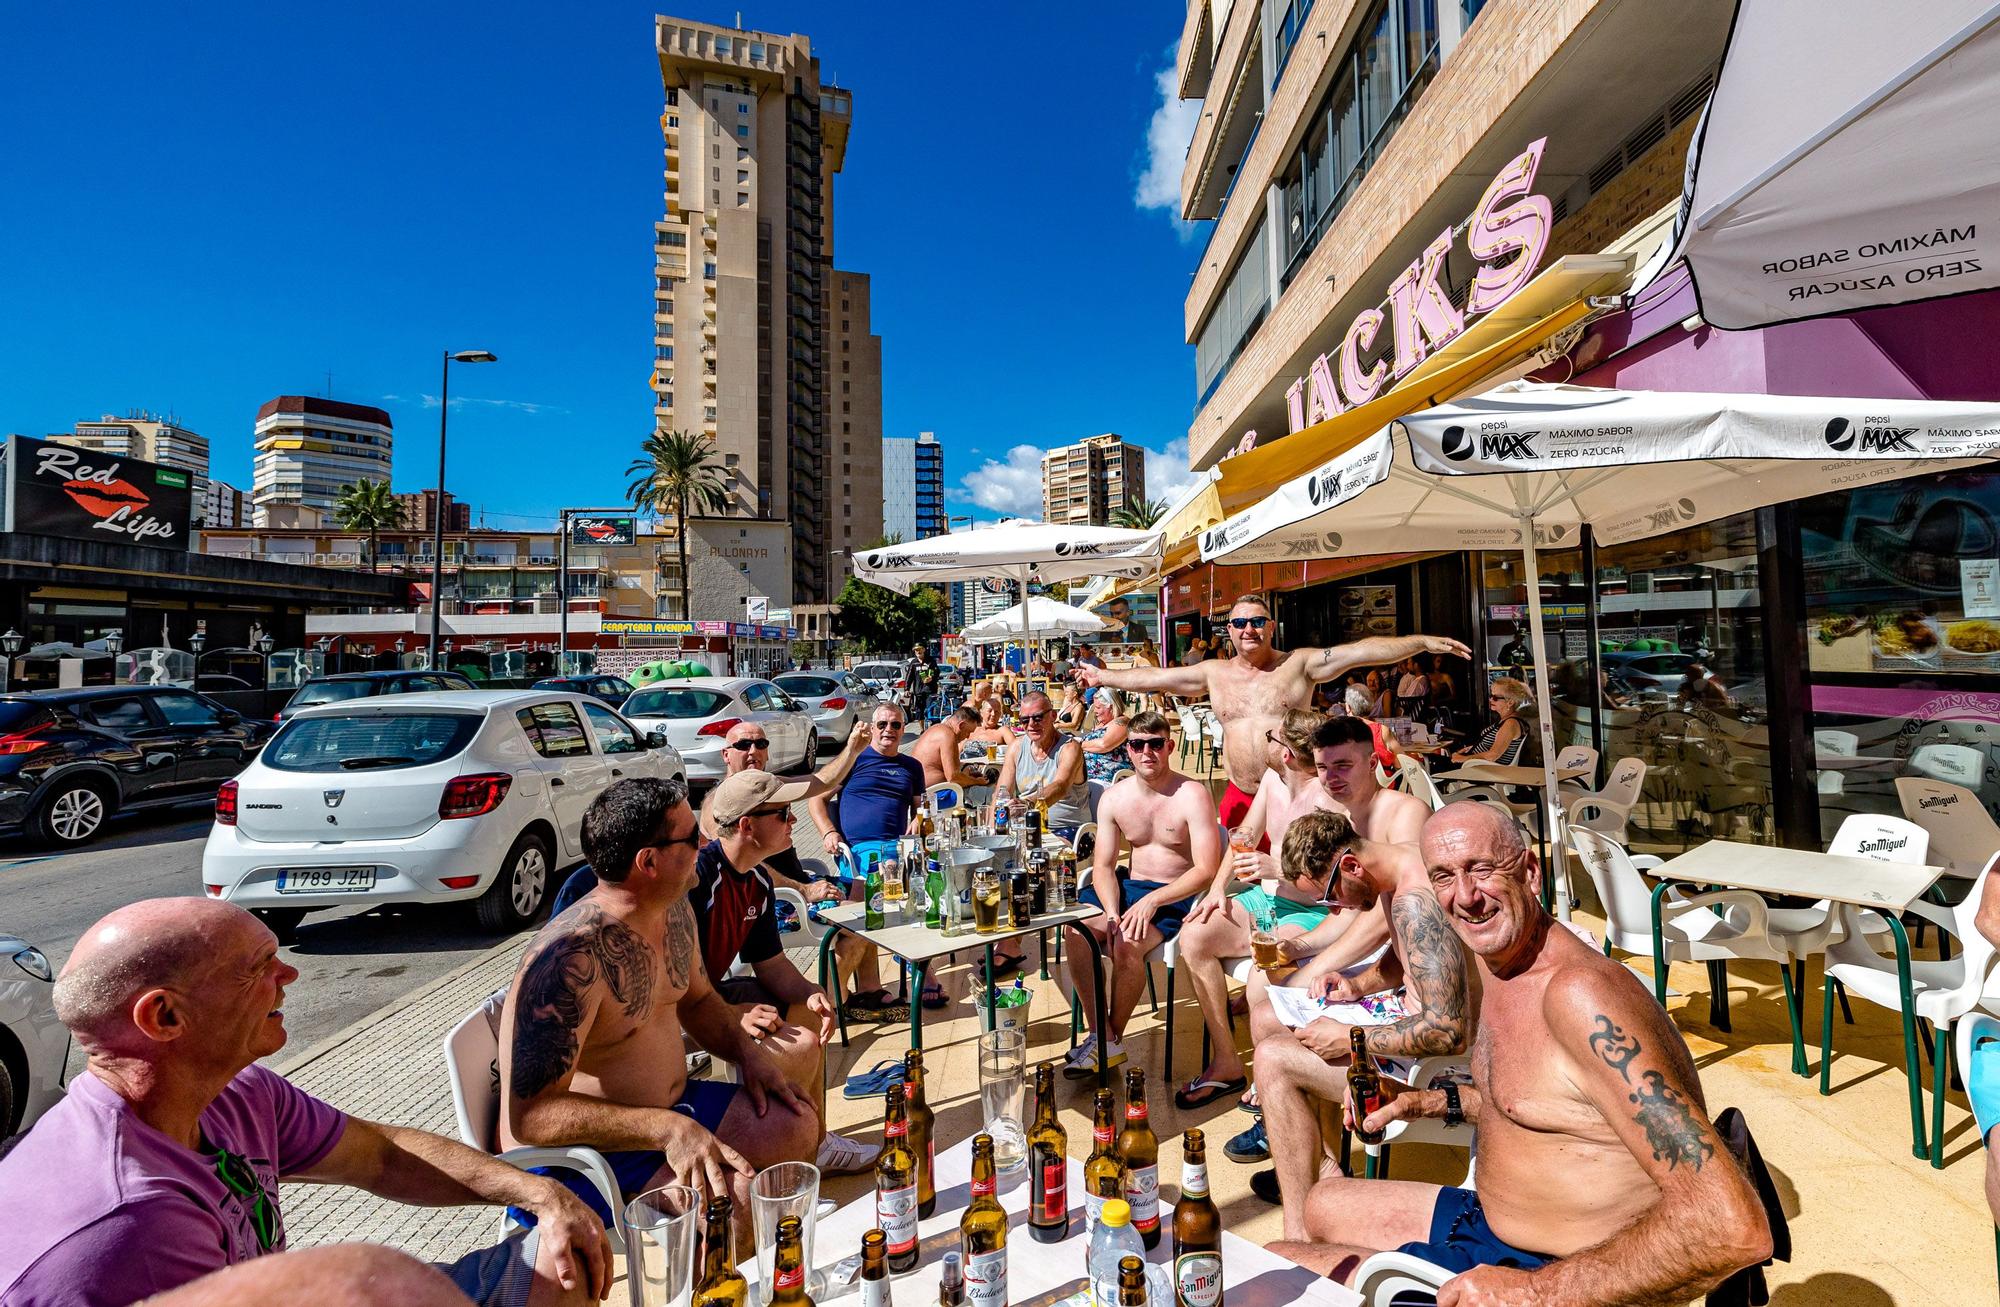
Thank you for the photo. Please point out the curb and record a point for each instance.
(292, 1065)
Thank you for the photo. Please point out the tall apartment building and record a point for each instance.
(224, 507)
(309, 447)
(145, 436)
(1087, 483)
(856, 515)
(420, 511)
(747, 341)
(912, 487)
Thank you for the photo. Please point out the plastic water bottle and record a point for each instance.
(1111, 1240)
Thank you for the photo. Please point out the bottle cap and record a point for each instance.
(1116, 1212)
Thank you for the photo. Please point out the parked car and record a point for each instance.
(834, 707)
(422, 798)
(613, 690)
(885, 679)
(72, 759)
(34, 1046)
(362, 685)
(698, 711)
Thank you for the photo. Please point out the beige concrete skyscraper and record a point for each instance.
(1089, 482)
(749, 346)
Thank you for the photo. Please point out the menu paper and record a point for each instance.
(1979, 586)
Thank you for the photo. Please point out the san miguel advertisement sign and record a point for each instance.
(60, 491)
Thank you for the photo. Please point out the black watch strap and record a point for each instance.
(1454, 1114)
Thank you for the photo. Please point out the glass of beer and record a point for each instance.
(986, 902)
(1264, 949)
(893, 888)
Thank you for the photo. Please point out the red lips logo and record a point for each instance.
(599, 531)
(102, 499)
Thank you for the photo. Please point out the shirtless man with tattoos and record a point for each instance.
(1250, 691)
(1600, 1180)
(591, 1050)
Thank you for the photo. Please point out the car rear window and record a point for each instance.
(369, 741)
(685, 701)
(16, 716)
(811, 685)
(332, 692)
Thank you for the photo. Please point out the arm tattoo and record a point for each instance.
(548, 1010)
(1670, 1127)
(1615, 1047)
(680, 943)
(1434, 968)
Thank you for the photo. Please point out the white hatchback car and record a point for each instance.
(422, 798)
(695, 713)
(34, 1046)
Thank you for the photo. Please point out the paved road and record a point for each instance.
(350, 962)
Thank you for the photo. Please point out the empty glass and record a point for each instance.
(787, 1189)
(1003, 1088)
(659, 1248)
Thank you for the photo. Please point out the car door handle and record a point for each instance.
(555, 780)
(617, 771)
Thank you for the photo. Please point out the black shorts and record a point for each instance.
(1167, 920)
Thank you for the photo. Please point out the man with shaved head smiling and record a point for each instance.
(162, 1163)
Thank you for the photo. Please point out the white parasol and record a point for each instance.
(1039, 617)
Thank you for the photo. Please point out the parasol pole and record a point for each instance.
(1545, 725)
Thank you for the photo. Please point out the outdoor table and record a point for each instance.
(1479, 772)
(1046, 1273)
(1851, 884)
(919, 945)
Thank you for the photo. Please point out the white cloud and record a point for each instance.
(1167, 474)
(460, 401)
(1167, 136)
(1011, 489)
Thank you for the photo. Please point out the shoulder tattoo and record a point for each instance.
(584, 948)
(1663, 1113)
(1434, 967)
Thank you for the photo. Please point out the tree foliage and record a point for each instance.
(883, 621)
(1140, 515)
(676, 472)
(368, 506)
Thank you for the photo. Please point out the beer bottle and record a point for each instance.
(1048, 1164)
(1364, 1087)
(934, 893)
(722, 1285)
(874, 1270)
(896, 1187)
(1139, 1150)
(923, 1140)
(951, 1281)
(788, 1270)
(1131, 1282)
(1197, 1231)
(982, 1233)
(1103, 1173)
(872, 916)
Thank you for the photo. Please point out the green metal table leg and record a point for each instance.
(1659, 945)
(987, 1007)
(1940, 1078)
(1917, 1144)
(1792, 1011)
(914, 978)
(839, 1007)
(1826, 1039)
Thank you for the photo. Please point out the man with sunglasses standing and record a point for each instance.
(162, 1163)
(1250, 691)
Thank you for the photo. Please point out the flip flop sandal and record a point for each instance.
(1265, 1185)
(874, 1082)
(1007, 964)
(1251, 1104)
(934, 996)
(868, 1005)
(1200, 1093)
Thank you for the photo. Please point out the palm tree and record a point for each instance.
(368, 506)
(676, 471)
(1140, 515)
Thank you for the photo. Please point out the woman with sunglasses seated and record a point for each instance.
(1104, 753)
(1503, 741)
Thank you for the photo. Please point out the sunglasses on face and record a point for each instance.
(747, 745)
(1254, 623)
(240, 1179)
(1145, 743)
(888, 726)
(692, 839)
(1030, 718)
(780, 811)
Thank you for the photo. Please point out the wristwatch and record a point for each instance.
(1454, 1115)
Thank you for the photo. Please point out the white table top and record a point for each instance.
(913, 941)
(1045, 1273)
(1495, 774)
(1863, 882)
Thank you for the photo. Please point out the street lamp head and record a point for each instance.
(264, 644)
(324, 643)
(399, 644)
(10, 643)
(114, 642)
(197, 642)
(474, 356)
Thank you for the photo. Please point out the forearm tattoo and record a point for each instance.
(1664, 1114)
(580, 949)
(681, 943)
(1434, 971)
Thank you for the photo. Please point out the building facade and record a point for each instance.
(309, 447)
(420, 510)
(145, 436)
(1090, 482)
(857, 483)
(223, 505)
(912, 487)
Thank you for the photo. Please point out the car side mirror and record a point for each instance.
(656, 739)
(228, 716)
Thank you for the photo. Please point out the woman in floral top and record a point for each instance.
(1103, 743)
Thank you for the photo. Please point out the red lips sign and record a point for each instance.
(60, 490)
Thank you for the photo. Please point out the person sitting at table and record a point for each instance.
(937, 750)
(1103, 742)
(1503, 741)
(1169, 821)
(1045, 766)
(1070, 716)
(991, 729)
(1601, 1180)
(1413, 687)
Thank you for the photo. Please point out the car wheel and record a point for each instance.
(74, 811)
(520, 891)
(812, 747)
(282, 922)
(10, 1100)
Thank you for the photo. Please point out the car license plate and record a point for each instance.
(325, 880)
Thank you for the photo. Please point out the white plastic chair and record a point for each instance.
(1423, 1074)
(1607, 811)
(1955, 764)
(1806, 931)
(1211, 730)
(471, 1066)
(1837, 744)
(1097, 789)
(1963, 834)
(945, 796)
(1576, 757)
(1384, 1278)
(1416, 780)
(1190, 730)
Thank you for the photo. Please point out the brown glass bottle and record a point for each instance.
(874, 1269)
(1103, 1172)
(1048, 1164)
(923, 1123)
(896, 1187)
(1364, 1086)
(722, 1285)
(788, 1270)
(982, 1233)
(1197, 1231)
(1139, 1150)
(1131, 1282)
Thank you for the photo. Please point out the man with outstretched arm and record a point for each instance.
(1251, 690)
(1601, 1181)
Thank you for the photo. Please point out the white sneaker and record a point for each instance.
(839, 1155)
(1082, 1061)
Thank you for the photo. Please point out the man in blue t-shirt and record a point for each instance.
(878, 806)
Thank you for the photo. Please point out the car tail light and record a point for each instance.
(225, 804)
(277, 716)
(214, 891)
(473, 796)
(458, 882)
(834, 704)
(21, 742)
(719, 728)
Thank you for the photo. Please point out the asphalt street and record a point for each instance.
(350, 962)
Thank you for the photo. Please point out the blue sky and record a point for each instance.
(208, 205)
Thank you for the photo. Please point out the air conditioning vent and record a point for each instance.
(1690, 101)
(1648, 135)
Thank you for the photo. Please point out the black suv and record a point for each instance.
(69, 759)
(366, 685)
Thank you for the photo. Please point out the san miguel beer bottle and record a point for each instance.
(982, 1233)
(1048, 1164)
(722, 1285)
(1197, 1232)
(1139, 1150)
(788, 1270)
(1103, 1173)
(896, 1187)
(1364, 1086)
(923, 1139)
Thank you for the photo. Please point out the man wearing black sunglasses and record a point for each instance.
(1250, 692)
(163, 1162)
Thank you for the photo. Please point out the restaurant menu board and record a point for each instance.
(1366, 610)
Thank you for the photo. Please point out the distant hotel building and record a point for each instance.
(1086, 484)
(420, 511)
(224, 507)
(912, 487)
(308, 448)
(146, 437)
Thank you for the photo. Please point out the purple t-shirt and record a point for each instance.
(101, 1209)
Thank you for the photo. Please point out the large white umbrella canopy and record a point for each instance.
(1849, 158)
(1035, 619)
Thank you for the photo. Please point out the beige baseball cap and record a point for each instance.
(746, 791)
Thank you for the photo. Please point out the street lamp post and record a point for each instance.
(10, 645)
(437, 507)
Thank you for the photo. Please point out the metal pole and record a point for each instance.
(1545, 722)
(437, 514)
(562, 593)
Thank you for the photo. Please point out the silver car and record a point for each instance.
(697, 711)
(834, 705)
(34, 1046)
